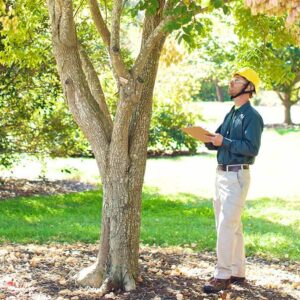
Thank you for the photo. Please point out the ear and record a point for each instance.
(250, 87)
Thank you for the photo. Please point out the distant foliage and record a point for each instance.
(208, 92)
(165, 134)
(291, 8)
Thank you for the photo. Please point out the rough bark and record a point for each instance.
(287, 103)
(99, 22)
(82, 104)
(139, 129)
(287, 109)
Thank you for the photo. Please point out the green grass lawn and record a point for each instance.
(271, 226)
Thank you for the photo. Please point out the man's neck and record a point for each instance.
(241, 100)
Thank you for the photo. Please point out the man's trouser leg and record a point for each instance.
(230, 197)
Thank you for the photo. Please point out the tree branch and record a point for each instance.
(147, 73)
(295, 89)
(99, 22)
(157, 34)
(84, 107)
(115, 26)
(115, 53)
(95, 88)
(119, 69)
(280, 96)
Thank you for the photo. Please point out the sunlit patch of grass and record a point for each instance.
(284, 131)
(176, 219)
(272, 227)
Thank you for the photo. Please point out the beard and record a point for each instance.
(233, 92)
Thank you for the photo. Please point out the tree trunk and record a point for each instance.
(287, 109)
(219, 93)
(117, 261)
(120, 150)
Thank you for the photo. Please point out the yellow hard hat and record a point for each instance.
(250, 75)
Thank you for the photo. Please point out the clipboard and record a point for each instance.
(198, 133)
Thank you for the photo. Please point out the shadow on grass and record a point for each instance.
(166, 220)
(60, 218)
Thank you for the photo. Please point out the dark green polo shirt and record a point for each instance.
(241, 131)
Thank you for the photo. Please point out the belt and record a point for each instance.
(232, 168)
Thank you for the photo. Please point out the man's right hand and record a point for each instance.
(216, 140)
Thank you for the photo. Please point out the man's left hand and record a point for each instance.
(216, 140)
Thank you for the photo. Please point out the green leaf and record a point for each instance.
(180, 39)
(187, 38)
(217, 3)
(226, 10)
(199, 27)
(172, 26)
(185, 20)
(188, 29)
(152, 6)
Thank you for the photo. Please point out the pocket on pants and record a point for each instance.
(243, 178)
(230, 190)
(227, 178)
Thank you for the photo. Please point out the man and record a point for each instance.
(237, 141)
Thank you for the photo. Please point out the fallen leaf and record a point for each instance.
(62, 282)
(10, 268)
(296, 285)
(110, 296)
(35, 261)
(179, 296)
(71, 260)
(64, 292)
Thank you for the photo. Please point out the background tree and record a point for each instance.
(33, 115)
(287, 90)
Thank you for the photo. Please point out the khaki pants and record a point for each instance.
(229, 201)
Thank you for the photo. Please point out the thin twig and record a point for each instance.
(78, 8)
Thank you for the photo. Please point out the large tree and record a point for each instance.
(119, 143)
(287, 90)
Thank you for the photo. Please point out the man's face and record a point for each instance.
(236, 84)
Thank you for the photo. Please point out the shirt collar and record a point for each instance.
(242, 108)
